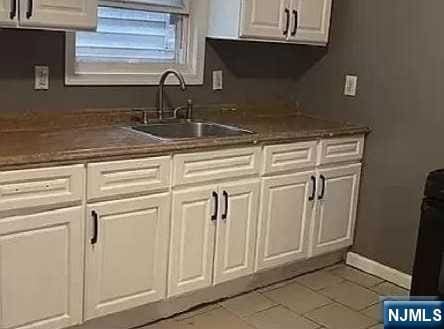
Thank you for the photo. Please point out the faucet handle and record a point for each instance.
(144, 113)
(188, 108)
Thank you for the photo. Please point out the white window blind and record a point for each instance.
(169, 6)
(137, 40)
(133, 36)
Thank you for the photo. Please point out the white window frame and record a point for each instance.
(192, 70)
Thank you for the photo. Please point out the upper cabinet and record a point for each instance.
(292, 21)
(265, 19)
(8, 13)
(310, 21)
(49, 14)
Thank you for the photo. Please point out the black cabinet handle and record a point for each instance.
(225, 215)
(313, 192)
(30, 9)
(296, 22)
(287, 25)
(13, 11)
(321, 196)
(95, 217)
(216, 206)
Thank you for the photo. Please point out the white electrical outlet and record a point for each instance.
(351, 85)
(218, 80)
(41, 77)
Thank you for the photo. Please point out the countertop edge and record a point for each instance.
(83, 156)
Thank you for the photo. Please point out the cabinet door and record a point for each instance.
(236, 230)
(59, 14)
(265, 19)
(334, 223)
(8, 13)
(127, 265)
(192, 240)
(286, 211)
(310, 21)
(41, 270)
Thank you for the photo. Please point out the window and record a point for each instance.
(136, 40)
(132, 36)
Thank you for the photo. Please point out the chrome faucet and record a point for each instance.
(163, 78)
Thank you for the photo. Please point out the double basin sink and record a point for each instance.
(190, 130)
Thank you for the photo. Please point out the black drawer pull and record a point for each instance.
(30, 9)
(216, 206)
(13, 11)
(225, 215)
(313, 191)
(296, 22)
(95, 236)
(287, 24)
(321, 196)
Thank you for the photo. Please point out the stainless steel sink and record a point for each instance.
(190, 129)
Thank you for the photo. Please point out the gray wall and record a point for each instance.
(397, 49)
(255, 73)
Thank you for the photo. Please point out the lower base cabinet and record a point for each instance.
(41, 270)
(286, 209)
(334, 222)
(192, 240)
(213, 234)
(236, 231)
(307, 214)
(127, 265)
(55, 272)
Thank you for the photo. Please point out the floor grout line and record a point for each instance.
(282, 284)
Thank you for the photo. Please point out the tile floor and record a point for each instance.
(338, 297)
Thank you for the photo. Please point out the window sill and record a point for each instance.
(127, 80)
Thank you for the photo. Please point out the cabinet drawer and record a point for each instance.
(208, 166)
(286, 157)
(22, 189)
(341, 150)
(109, 179)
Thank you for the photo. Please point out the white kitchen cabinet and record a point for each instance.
(41, 270)
(340, 150)
(49, 14)
(310, 21)
(193, 226)
(225, 223)
(126, 265)
(8, 13)
(278, 159)
(128, 177)
(334, 222)
(265, 19)
(236, 230)
(290, 21)
(329, 213)
(213, 231)
(201, 167)
(286, 210)
(59, 14)
(41, 188)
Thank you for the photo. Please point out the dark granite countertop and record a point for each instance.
(38, 140)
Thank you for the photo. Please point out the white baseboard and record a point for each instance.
(387, 273)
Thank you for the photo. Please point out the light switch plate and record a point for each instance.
(218, 80)
(41, 77)
(351, 85)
